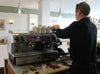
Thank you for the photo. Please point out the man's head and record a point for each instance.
(82, 10)
(10, 31)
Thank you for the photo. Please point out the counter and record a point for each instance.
(49, 70)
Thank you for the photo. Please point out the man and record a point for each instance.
(83, 36)
(10, 40)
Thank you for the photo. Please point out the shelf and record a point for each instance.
(3, 43)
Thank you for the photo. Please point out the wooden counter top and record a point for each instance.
(3, 43)
(49, 70)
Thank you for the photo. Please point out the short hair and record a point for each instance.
(10, 31)
(83, 7)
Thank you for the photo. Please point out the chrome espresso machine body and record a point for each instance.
(28, 48)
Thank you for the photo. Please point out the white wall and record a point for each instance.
(20, 23)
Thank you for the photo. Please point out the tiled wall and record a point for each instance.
(20, 23)
(3, 54)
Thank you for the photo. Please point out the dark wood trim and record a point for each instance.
(5, 66)
(10, 71)
(98, 65)
(1, 70)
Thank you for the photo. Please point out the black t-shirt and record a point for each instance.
(83, 38)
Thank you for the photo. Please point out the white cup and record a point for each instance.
(44, 67)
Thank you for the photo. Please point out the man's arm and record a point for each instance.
(66, 32)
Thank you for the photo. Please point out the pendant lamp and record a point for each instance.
(19, 10)
(60, 13)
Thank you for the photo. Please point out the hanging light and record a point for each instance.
(59, 14)
(19, 10)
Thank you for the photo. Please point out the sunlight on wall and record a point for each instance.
(63, 22)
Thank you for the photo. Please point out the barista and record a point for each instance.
(83, 36)
(10, 40)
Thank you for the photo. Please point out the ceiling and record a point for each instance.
(68, 6)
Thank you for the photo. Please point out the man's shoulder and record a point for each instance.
(75, 23)
(94, 25)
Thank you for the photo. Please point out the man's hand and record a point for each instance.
(55, 27)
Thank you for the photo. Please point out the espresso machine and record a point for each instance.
(33, 48)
